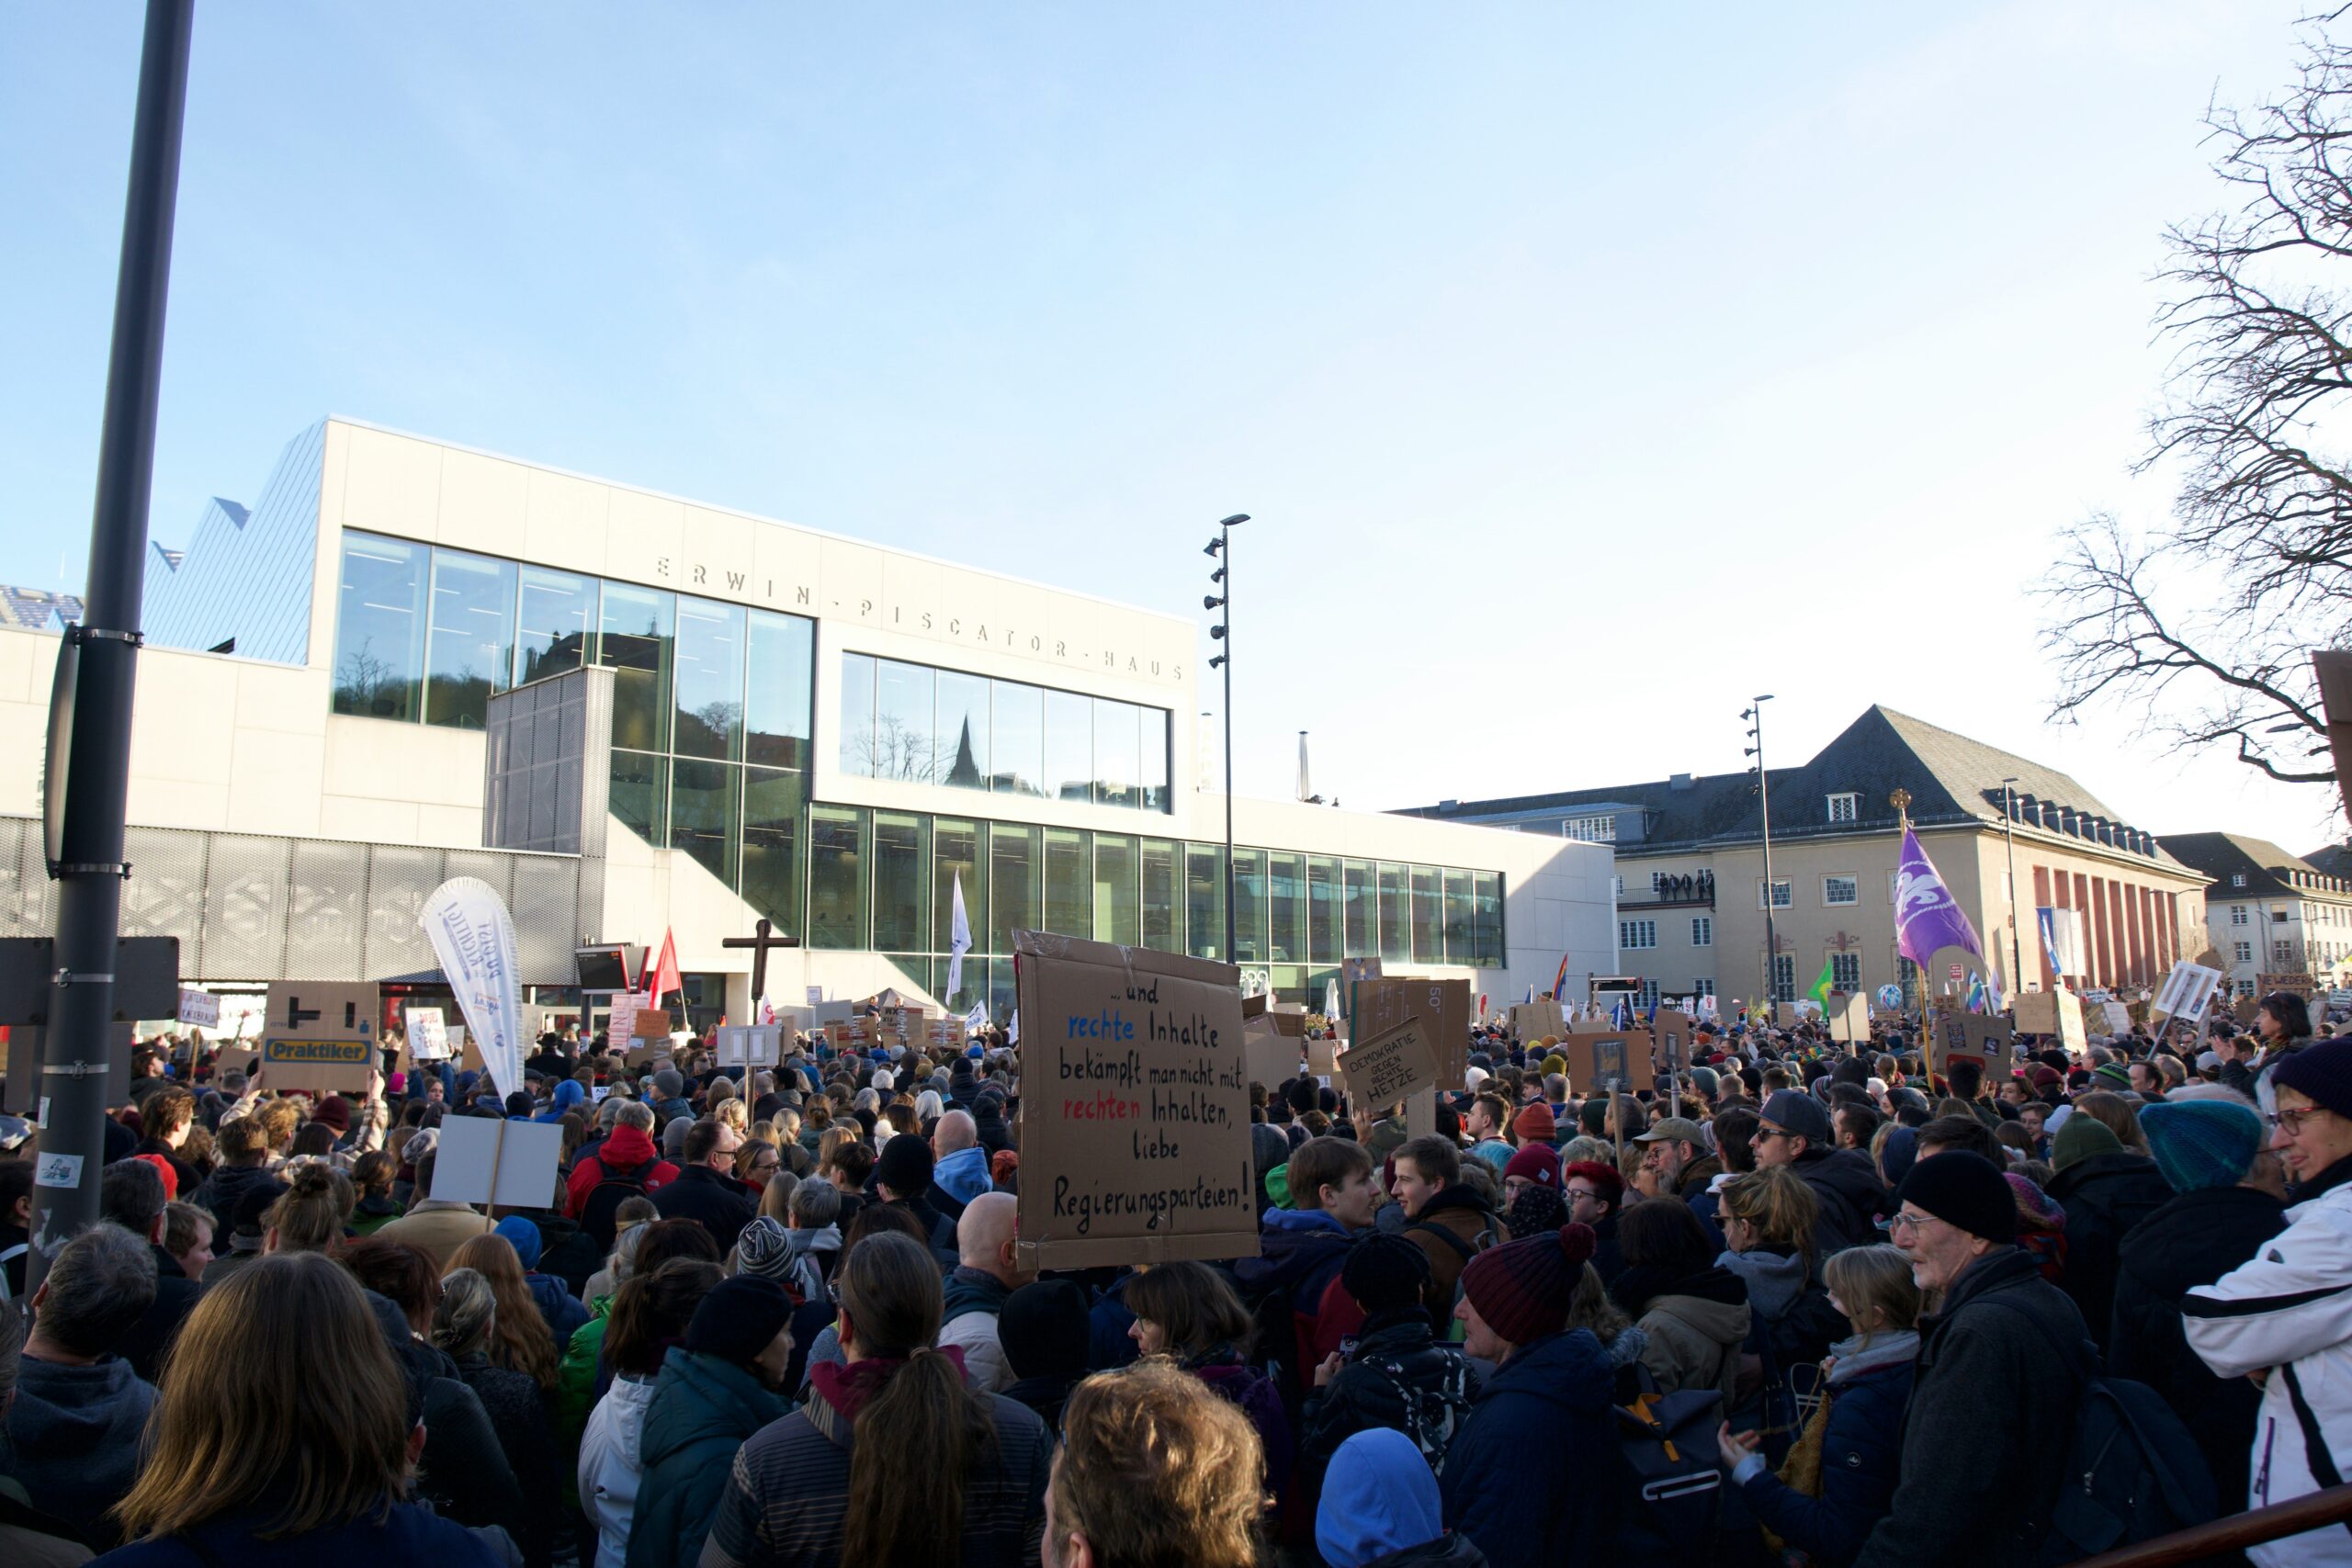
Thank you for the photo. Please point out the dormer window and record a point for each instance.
(1841, 808)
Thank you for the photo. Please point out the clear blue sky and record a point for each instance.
(1588, 368)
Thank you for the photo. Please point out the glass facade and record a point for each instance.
(922, 725)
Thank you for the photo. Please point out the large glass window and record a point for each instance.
(857, 715)
(1118, 912)
(636, 643)
(1204, 900)
(838, 860)
(1323, 909)
(380, 631)
(1488, 890)
(710, 680)
(1461, 920)
(901, 884)
(473, 650)
(1118, 753)
(1396, 913)
(959, 737)
(1016, 876)
(1154, 768)
(956, 856)
(640, 794)
(1163, 911)
(1286, 904)
(702, 815)
(1016, 739)
(902, 719)
(1361, 914)
(554, 624)
(1069, 883)
(1249, 907)
(775, 704)
(1070, 747)
(1428, 917)
(772, 801)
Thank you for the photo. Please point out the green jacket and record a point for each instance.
(575, 1388)
(702, 1410)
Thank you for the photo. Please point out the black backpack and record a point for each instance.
(2132, 1472)
(598, 1215)
(1431, 1416)
(1674, 1483)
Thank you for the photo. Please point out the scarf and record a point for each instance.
(1850, 1358)
(850, 1389)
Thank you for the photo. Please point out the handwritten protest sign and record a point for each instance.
(1536, 1019)
(2187, 993)
(1134, 1107)
(2052, 1012)
(620, 1022)
(1443, 1007)
(1390, 1066)
(429, 1037)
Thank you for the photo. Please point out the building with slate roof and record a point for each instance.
(2278, 920)
(1692, 885)
(34, 610)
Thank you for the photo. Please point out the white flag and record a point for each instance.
(977, 1019)
(1012, 1032)
(473, 936)
(959, 940)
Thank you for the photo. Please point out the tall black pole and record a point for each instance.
(1225, 531)
(90, 871)
(1764, 797)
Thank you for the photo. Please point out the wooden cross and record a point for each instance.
(761, 938)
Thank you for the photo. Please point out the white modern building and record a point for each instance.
(634, 713)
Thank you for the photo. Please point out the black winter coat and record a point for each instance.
(1364, 1394)
(1990, 1424)
(2191, 1241)
(152, 1336)
(702, 1193)
(519, 1417)
(1535, 1478)
(2105, 1197)
(1851, 1198)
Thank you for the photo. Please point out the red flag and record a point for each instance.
(664, 977)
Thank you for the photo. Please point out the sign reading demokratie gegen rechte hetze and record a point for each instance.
(1134, 1107)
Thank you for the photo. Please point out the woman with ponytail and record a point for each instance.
(954, 1479)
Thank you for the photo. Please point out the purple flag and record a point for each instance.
(1927, 916)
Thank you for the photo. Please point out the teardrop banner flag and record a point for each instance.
(473, 936)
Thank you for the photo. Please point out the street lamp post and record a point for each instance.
(1754, 716)
(2010, 841)
(1222, 548)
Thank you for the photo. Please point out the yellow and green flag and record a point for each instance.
(1820, 992)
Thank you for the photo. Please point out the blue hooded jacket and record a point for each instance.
(568, 1096)
(563, 1311)
(1533, 1477)
(1379, 1498)
(964, 1175)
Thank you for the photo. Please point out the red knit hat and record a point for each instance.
(1534, 1124)
(1537, 1163)
(1521, 1289)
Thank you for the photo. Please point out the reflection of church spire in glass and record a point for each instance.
(966, 773)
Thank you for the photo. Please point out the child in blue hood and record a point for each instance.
(1379, 1508)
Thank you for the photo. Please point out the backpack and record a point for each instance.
(598, 1215)
(1463, 1250)
(1673, 1483)
(1431, 1416)
(2132, 1472)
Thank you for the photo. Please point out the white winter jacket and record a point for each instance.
(609, 1466)
(2289, 1311)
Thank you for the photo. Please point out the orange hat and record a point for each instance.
(1534, 1124)
(163, 1169)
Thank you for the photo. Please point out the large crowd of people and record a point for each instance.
(1805, 1304)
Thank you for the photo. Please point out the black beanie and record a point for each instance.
(1385, 1273)
(1043, 1327)
(738, 1319)
(905, 1166)
(1966, 1191)
(520, 1104)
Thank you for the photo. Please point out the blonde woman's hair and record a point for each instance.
(732, 1113)
(1776, 1205)
(309, 1215)
(467, 1314)
(316, 1430)
(1875, 1284)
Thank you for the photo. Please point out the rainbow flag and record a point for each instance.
(1560, 980)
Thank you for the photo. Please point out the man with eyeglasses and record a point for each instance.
(1986, 1437)
(1794, 1130)
(2285, 1318)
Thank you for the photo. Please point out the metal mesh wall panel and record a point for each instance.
(245, 907)
(399, 879)
(164, 896)
(327, 910)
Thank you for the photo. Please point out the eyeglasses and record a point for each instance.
(1900, 1224)
(1573, 1193)
(2292, 1121)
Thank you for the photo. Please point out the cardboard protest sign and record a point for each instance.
(1850, 1018)
(234, 1059)
(1610, 1059)
(1672, 1034)
(653, 1023)
(319, 1036)
(1785, 1015)
(1953, 1033)
(620, 1022)
(1443, 1007)
(751, 1045)
(1390, 1066)
(484, 1160)
(428, 1039)
(1271, 1057)
(1134, 1110)
(201, 1009)
(1322, 1057)
(2036, 1013)
(2118, 1016)
(1536, 1019)
(2187, 992)
(2244, 1008)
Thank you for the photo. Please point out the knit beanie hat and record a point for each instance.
(1593, 1116)
(336, 1112)
(738, 1318)
(1385, 1273)
(1705, 1080)
(1537, 1163)
(162, 1168)
(1534, 1124)
(1556, 1063)
(1964, 1190)
(1899, 1152)
(762, 1250)
(2203, 1143)
(524, 1236)
(2079, 1139)
(668, 1083)
(905, 1165)
(420, 1143)
(1278, 1185)
(2113, 1075)
(674, 1137)
(2323, 1070)
(1523, 1288)
(1043, 1326)
(2037, 1210)
(1537, 1210)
